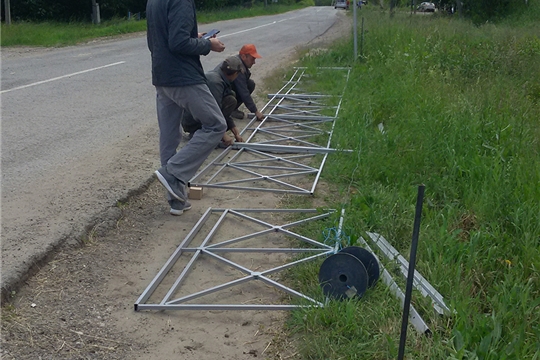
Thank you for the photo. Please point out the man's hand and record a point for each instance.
(259, 115)
(216, 45)
(239, 138)
(227, 140)
(236, 134)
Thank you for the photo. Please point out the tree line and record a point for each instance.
(81, 10)
(70, 10)
(479, 11)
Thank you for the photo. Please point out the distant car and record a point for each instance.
(341, 5)
(426, 7)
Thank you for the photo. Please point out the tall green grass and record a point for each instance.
(456, 107)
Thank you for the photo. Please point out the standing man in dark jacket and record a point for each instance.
(243, 86)
(178, 76)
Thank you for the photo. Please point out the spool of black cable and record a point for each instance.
(368, 259)
(343, 276)
(348, 273)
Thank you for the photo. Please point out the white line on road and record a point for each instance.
(256, 27)
(60, 77)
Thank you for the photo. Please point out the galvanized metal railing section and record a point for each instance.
(283, 146)
(293, 140)
(214, 245)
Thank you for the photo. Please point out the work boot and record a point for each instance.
(237, 114)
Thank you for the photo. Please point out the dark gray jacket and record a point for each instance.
(218, 84)
(174, 44)
(241, 88)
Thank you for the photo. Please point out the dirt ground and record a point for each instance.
(80, 305)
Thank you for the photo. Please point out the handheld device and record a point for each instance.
(211, 33)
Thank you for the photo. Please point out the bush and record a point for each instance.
(69, 10)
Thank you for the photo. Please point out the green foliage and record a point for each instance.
(481, 11)
(213, 5)
(524, 15)
(454, 106)
(69, 10)
(236, 12)
(61, 34)
(478, 11)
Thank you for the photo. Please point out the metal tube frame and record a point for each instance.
(290, 117)
(414, 317)
(214, 249)
(419, 282)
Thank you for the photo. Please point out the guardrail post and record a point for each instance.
(96, 18)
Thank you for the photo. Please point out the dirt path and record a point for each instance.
(80, 304)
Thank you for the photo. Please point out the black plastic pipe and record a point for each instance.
(410, 274)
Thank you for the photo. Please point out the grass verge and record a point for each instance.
(440, 102)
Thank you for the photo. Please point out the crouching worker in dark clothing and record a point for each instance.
(243, 86)
(219, 82)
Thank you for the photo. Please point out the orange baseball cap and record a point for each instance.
(250, 50)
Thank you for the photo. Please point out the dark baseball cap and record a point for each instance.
(233, 63)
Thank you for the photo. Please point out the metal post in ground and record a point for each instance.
(96, 18)
(410, 277)
(362, 40)
(355, 32)
(7, 13)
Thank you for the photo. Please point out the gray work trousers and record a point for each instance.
(228, 105)
(170, 104)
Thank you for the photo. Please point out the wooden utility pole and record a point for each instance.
(7, 11)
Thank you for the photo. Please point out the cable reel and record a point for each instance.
(348, 273)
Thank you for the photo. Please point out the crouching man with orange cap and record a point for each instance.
(243, 85)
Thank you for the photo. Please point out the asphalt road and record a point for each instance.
(79, 130)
